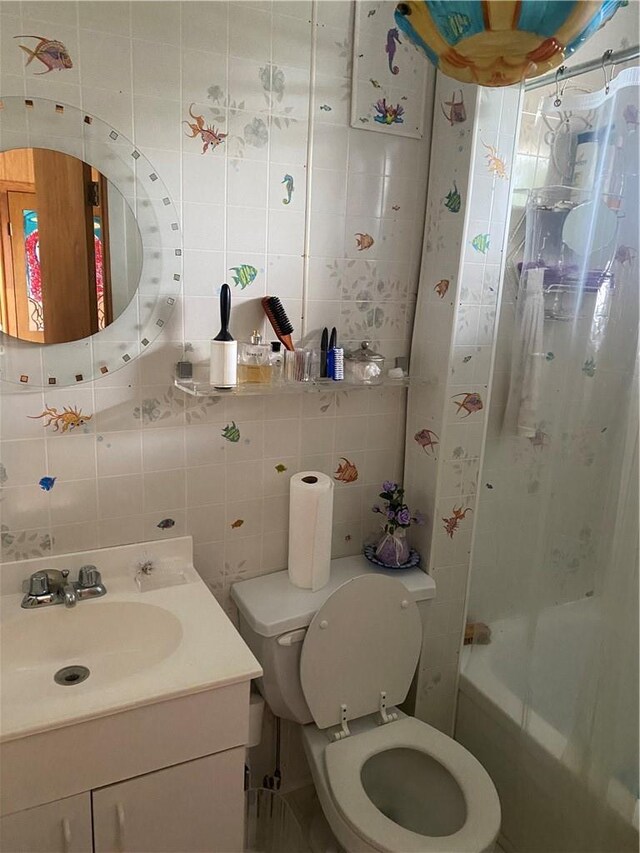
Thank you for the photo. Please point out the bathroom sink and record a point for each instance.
(142, 642)
(113, 639)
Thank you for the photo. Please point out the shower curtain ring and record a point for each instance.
(559, 72)
(606, 58)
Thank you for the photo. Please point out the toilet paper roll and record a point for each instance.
(310, 524)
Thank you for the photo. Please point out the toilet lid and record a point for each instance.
(365, 639)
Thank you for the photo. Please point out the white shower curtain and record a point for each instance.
(568, 455)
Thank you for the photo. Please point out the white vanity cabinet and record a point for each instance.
(60, 827)
(195, 807)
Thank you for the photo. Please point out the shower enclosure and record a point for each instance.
(550, 703)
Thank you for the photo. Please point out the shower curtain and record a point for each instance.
(572, 480)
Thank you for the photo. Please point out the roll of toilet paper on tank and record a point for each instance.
(310, 523)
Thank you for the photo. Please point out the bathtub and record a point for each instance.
(524, 746)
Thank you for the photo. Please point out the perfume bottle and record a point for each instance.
(276, 360)
(254, 361)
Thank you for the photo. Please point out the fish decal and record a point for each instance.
(589, 368)
(471, 402)
(346, 471)
(481, 243)
(538, 439)
(387, 113)
(52, 54)
(630, 115)
(47, 483)
(550, 356)
(371, 13)
(625, 255)
(166, 524)
(390, 48)
(452, 523)
(63, 421)
(453, 200)
(237, 523)
(209, 136)
(457, 113)
(396, 207)
(325, 107)
(364, 241)
(243, 275)
(231, 432)
(441, 287)
(280, 468)
(374, 83)
(466, 359)
(288, 188)
(427, 439)
(495, 164)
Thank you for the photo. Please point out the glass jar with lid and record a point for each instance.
(364, 366)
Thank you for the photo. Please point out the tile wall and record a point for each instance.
(468, 204)
(148, 462)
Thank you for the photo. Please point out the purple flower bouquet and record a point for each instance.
(393, 548)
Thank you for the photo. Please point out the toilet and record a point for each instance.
(339, 661)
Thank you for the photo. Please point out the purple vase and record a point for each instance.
(393, 548)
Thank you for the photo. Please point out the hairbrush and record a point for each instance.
(278, 318)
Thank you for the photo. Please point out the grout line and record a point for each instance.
(309, 158)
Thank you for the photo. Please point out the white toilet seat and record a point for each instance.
(344, 760)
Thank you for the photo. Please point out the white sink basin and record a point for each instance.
(113, 639)
(140, 646)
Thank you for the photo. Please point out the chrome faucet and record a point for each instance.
(50, 586)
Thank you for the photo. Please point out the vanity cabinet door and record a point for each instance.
(62, 826)
(195, 807)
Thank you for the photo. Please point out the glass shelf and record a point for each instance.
(203, 389)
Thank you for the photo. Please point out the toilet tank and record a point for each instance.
(274, 616)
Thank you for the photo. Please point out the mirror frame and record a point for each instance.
(43, 123)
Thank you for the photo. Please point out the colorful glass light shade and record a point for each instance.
(501, 42)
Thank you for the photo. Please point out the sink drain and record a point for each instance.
(70, 675)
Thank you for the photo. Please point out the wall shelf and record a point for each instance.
(203, 389)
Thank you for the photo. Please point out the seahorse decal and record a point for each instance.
(393, 40)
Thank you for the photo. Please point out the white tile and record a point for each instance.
(157, 122)
(244, 481)
(150, 77)
(246, 229)
(247, 183)
(204, 26)
(286, 232)
(206, 523)
(204, 81)
(328, 191)
(113, 17)
(204, 226)
(120, 496)
(291, 41)
(25, 507)
(249, 32)
(164, 490)
(106, 61)
(23, 462)
(205, 484)
(119, 452)
(159, 22)
(72, 459)
(73, 501)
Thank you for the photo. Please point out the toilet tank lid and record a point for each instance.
(271, 605)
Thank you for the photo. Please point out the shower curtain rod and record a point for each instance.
(615, 58)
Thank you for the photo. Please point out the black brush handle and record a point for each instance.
(225, 313)
(324, 342)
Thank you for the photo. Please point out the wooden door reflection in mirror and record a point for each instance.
(56, 261)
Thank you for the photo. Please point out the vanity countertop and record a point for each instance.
(142, 642)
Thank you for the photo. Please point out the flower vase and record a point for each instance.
(393, 548)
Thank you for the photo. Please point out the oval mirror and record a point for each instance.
(104, 287)
(71, 249)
